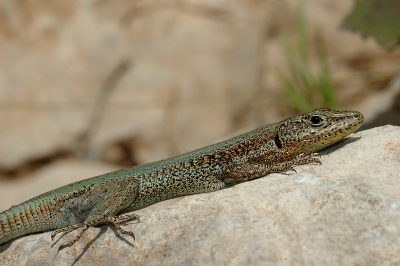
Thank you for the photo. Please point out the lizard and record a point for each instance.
(110, 198)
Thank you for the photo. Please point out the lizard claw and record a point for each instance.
(292, 169)
(315, 158)
(60, 248)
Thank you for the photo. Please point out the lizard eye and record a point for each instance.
(315, 120)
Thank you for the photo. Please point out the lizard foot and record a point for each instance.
(299, 160)
(114, 221)
(122, 219)
(67, 228)
(86, 227)
(305, 159)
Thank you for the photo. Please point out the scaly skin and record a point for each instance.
(104, 199)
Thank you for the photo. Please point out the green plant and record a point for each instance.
(306, 90)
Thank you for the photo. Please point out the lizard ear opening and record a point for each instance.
(277, 141)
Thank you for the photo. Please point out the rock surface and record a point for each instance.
(345, 212)
(170, 63)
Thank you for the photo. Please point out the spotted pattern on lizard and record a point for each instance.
(106, 199)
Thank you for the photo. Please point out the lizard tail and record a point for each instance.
(21, 220)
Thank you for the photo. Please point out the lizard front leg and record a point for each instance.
(249, 171)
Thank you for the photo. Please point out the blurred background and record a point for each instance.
(91, 86)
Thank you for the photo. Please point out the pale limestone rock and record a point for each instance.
(343, 212)
(56, 58)
(53, 62)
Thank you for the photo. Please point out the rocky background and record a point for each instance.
(90, 86)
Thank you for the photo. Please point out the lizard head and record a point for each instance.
(315, 130)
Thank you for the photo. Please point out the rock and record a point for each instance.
(343, 212)
(52, 58)
(187, 67)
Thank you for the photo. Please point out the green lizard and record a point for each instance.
(106, 198)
